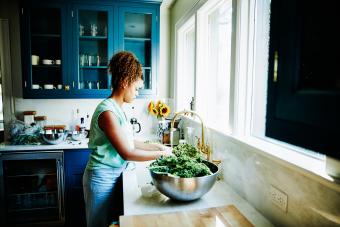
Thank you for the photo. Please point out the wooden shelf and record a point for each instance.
(136, 39)
(93, 67)
(88, 37)
(46, 66)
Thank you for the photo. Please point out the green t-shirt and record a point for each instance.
(103, 154)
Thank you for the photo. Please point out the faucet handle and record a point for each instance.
(208, 151)
(199, 144)
(204, 149)
(216, 161)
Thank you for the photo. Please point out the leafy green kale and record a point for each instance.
(187, 162)
(25, 139)
(186, 150)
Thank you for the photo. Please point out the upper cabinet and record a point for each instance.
(44, 45)
(139, 33)
(66, 46)
(92, 35)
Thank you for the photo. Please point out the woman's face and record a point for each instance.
(131, 91)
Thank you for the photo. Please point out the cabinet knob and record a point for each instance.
(67, 87)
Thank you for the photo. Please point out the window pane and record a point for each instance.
(214, 78)
(185, 65)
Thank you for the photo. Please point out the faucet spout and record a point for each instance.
(202, 147)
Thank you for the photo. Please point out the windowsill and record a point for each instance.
(312, 167)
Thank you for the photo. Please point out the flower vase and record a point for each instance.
(161, 128)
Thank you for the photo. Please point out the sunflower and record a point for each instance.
(151, 106)
(154, 112)
(164, 110)
(158, 109)
(159, 104)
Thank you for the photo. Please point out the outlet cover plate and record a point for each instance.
(279, 198)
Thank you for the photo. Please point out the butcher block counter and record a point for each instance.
(139, 207)
(216, 216)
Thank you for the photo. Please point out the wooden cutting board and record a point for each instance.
(215, 216)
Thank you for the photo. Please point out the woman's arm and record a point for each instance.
(108, 123)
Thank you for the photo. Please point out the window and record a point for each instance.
(185, 83)
(213, 63)
(304, 79)
(249, 72)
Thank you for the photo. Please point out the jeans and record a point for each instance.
(103, 196)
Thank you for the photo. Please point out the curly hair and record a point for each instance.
(125, 68)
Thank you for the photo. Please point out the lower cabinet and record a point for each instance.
(75, 163)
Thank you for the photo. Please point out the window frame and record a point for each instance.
(249, 83)
(194, 12)
(202, 42)
(180, 35)
(250, 99)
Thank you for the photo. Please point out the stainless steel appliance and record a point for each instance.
(31, 188)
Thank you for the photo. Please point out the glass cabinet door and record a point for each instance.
(93, 50)
(138, 35)
(45, 61)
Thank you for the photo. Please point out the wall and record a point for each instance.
(61, 110)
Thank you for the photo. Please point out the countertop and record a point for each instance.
(221, 194)
(68, 144)
(227, 216)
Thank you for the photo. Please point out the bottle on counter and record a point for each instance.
(87, 124)
(75, 124)
(82, 126)
(87, 121)
(40, 121)
(29, 117)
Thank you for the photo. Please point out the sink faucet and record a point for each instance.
(202, 146)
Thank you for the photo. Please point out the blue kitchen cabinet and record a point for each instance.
(75, 163)
(93, 45)
(139, 33)
(44, 44)
(67, 45)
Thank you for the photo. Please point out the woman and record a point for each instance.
(111, 141)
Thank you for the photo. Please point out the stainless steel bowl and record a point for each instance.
(185, 189)
(54, 138)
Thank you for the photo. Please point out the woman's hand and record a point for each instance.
(167, 152)
(150, 146)
(161, 147)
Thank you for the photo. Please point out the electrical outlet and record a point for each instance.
(279, 198)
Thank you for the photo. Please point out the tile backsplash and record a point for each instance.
(61, 111)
